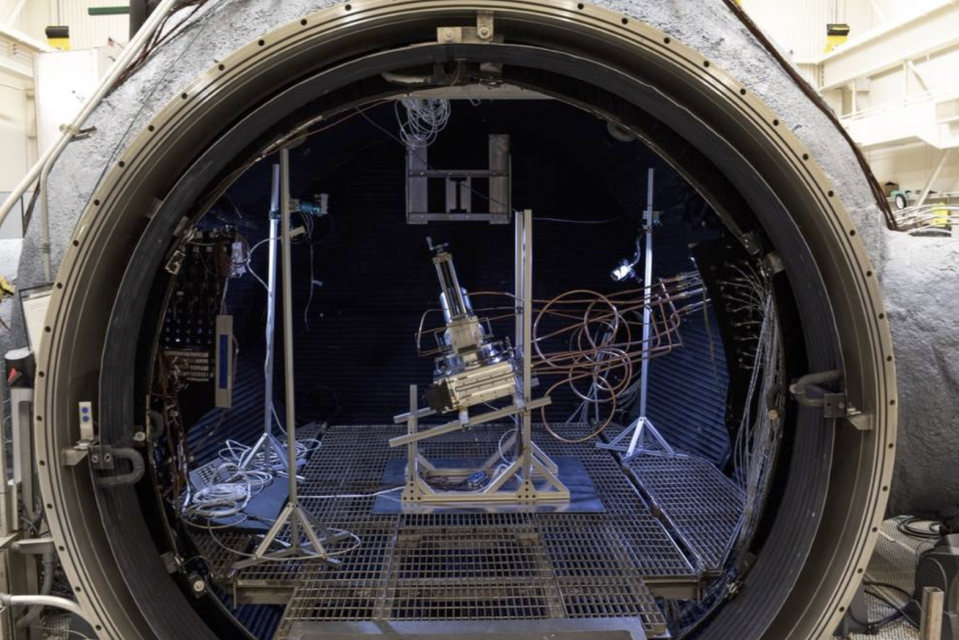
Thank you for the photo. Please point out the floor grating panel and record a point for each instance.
(701, 503)
(512, 566)
(469, 566)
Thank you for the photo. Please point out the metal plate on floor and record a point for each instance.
(572, 473)
(560, 629)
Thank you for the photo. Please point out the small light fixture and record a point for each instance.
(623, 271)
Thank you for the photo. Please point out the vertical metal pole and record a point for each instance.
(524, 225)
(518, 306)
(271, 304)
(930, 624)
(288, 339)
(8, 522)
(518, 281)
(412, 453)
(647, 295)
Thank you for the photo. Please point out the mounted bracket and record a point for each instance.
(483, 33)
(101, 458)
(460, 187)
(833, 404)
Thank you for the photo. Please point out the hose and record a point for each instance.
(8, 600)
(129, 478)
(39, 547)
(812, 381)
(33, 614)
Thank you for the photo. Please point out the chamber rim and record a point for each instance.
(841, 261)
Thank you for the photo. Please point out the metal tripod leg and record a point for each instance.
(638, 432)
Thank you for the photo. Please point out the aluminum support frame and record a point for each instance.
(533, 474)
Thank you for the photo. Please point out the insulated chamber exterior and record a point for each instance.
(221, 86)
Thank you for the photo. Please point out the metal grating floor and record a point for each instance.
(473, 566)
(702, 504)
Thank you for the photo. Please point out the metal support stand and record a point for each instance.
(532, 476)
(306, 533)
(267, 445)
(642, 430)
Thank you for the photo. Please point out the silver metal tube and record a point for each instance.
(450, 285)
(524, 226)
(647, 297)
(927, 189)
(271, 305)
(288, 337)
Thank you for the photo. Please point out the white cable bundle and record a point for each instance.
(228, 498)
(758, 436)
(425, 119)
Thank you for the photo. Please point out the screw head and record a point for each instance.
(199, 586)
(448, 35)
(484, 32)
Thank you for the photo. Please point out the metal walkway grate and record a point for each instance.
(702, 504)
(472, 566)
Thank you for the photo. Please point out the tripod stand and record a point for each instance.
(633, 439)
(306, 534)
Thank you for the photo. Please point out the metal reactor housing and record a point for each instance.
(472, 369)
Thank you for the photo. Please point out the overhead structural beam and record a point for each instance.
(886, 48)
(943, 158)
(15, 13)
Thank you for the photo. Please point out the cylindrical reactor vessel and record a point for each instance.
(692, 82)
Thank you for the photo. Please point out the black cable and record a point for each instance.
(873, 627)
(933, 532)
(899, 608)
